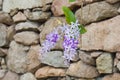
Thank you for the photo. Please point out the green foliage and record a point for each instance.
(70, 17)
(72, 0)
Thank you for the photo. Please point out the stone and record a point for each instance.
(23, 4)
(11, 76)
(3, 35)
(118, 65)
(114, 76)
(118, 55)
(19, 17)
(10, 33)
(102, 36)
(5, 18)
(95, 12)
(46, 7)
(27, 76)
(33, 58)
(119, 10)
(37, 15)
(86, 79)
(14, 12)
(116, 61)
(27, 37)
(3, 52)
(86, 58)
(58, 4)
(48, 71)
(95, 54)
(112, 1)
(2, 73)
(1, 1)
(104, 63)
(54, 58)
(27, 26)
(17, 57)
(52, 23)
(82, 70)
(3, 64)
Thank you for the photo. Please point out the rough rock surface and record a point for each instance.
(86, 58)
(54, 58)
(102, 36)
(11, 76)
(27, 37)
(104, 63)
(27, 26)
(21, 4)
(52, 23)
(3, 52)
(5, 18)
(118, 65)
(19, 17)
(82, 70)
(27, 76)
(2, 73)
(58, 4)
(37, 15)
(16, 59)
(112, 1)
(95, 12)
(49, 72)
(115, 76)
(3, 34)
(33, 58)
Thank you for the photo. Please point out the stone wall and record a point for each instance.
(25, 23)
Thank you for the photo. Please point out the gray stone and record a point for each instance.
(3, 35)
(112, 1)
(102, 36)
(118, 65)
(95, 12)
(11, 76)
(33, 58)
(3, 52)
(54, 58)
(104, 63)
(10, 32)
(37, 15)
(17, 57)
(82, 70)
(23, 4)
(86, 58)
(1, 1)
(27, 37)
(5, 18)
(28, 76)
(2, 73)
(27, 26)
(119, 10)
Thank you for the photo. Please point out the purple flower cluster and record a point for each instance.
(71, 35)
(50, 42)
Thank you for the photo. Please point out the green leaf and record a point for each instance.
(82, 29)
(72, 0)
(70, 17)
